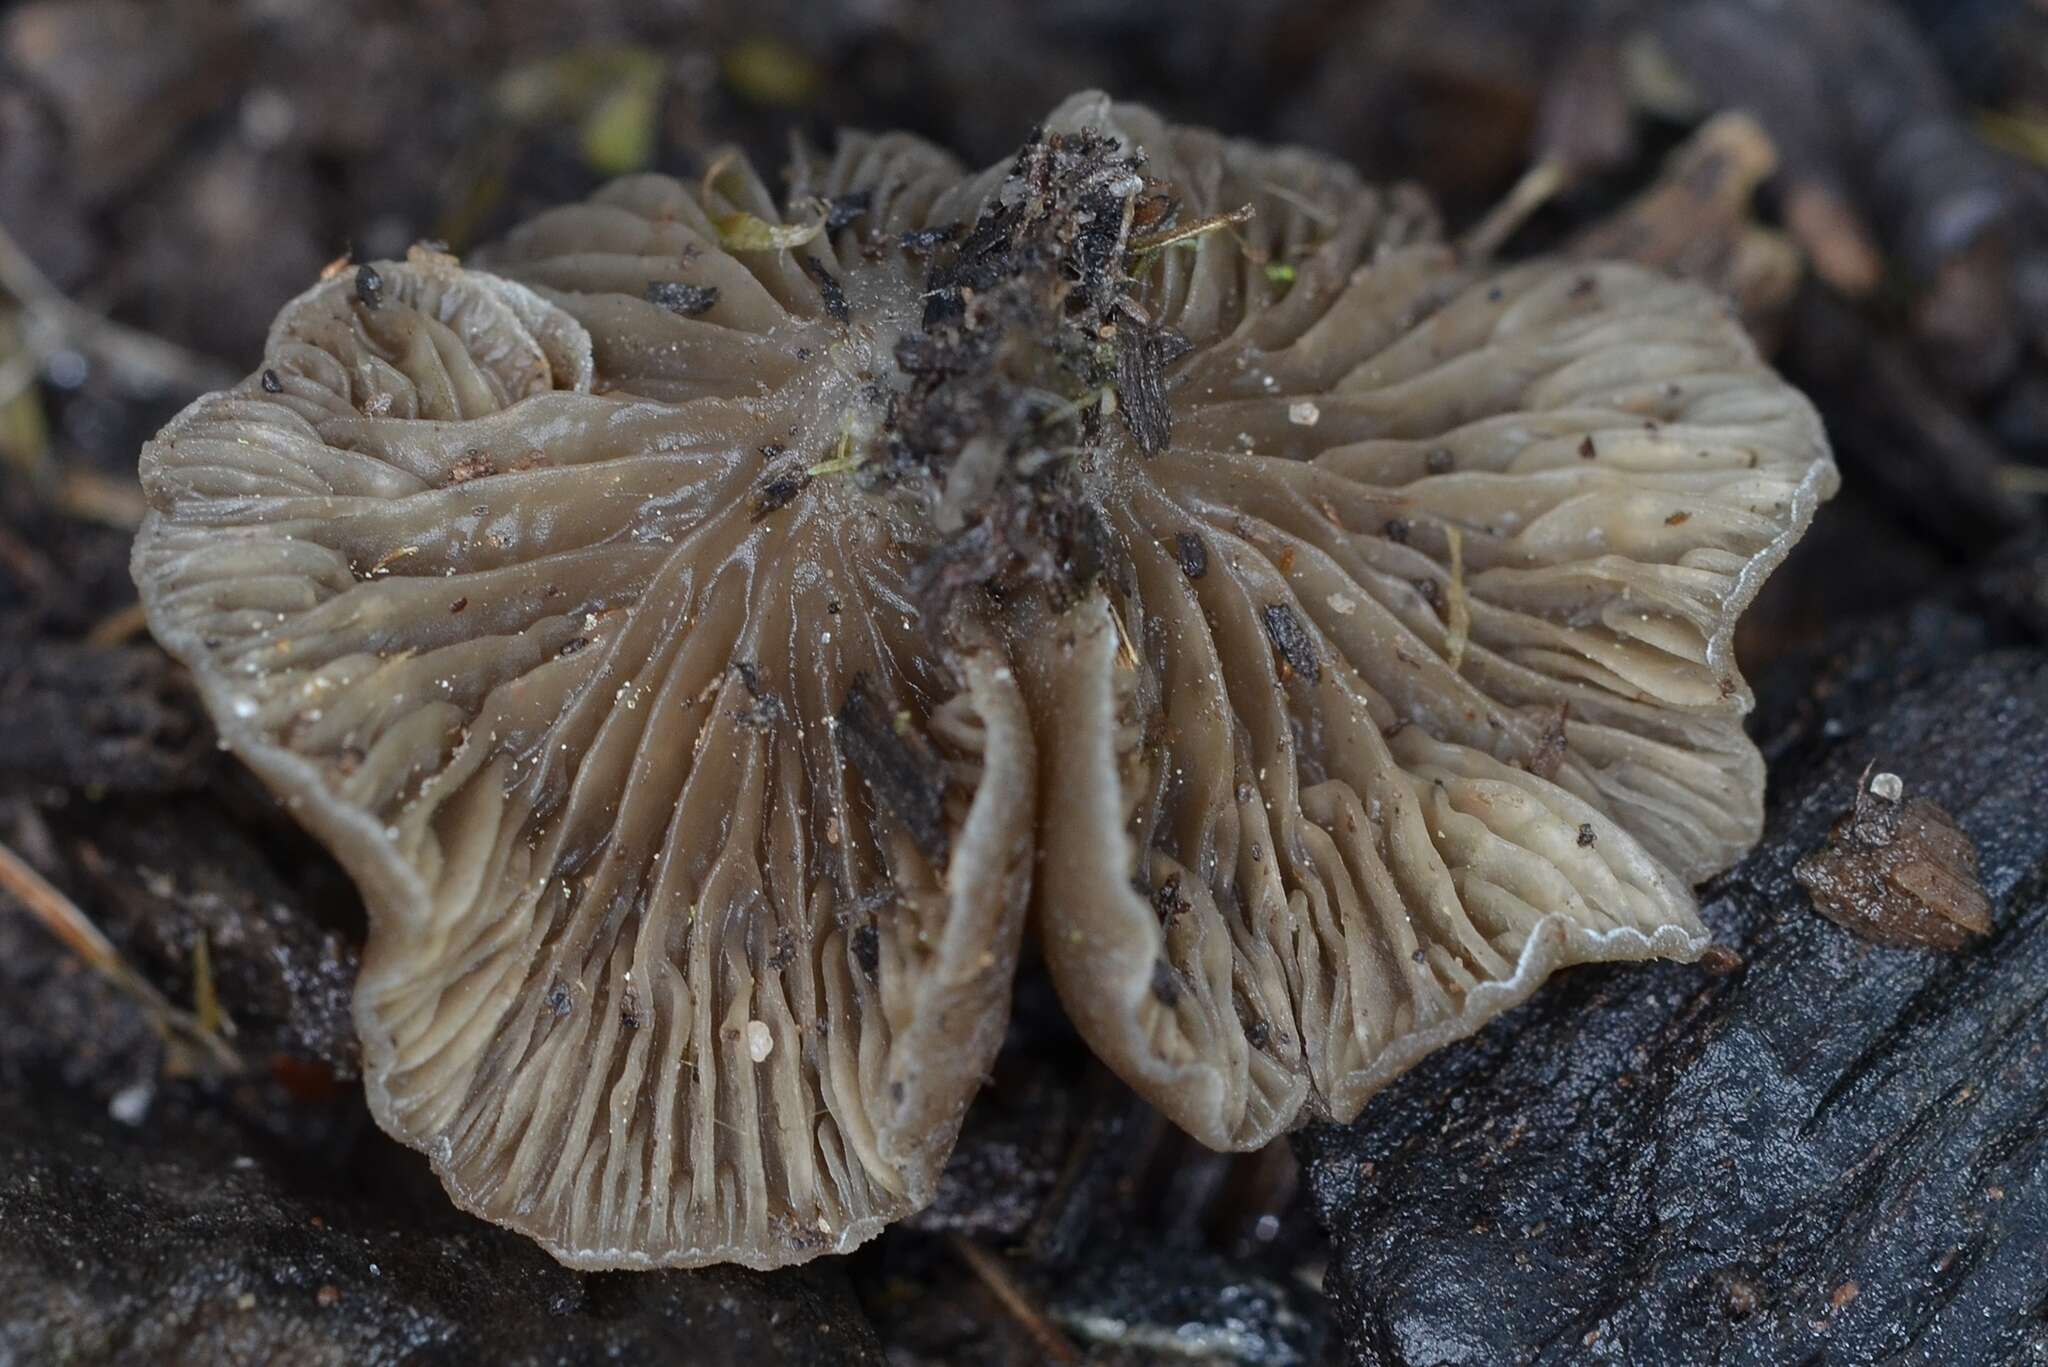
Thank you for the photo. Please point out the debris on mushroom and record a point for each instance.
(1170, 533)
(1898, 871)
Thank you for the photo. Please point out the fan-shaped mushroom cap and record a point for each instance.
(685, 646)
(654, 975)
(1421, 682)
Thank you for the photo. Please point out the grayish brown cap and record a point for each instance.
(696, 857)
(1421, 684)
(673, 958)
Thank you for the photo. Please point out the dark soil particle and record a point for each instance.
(688, 301)
(1141, 363)
(867, 950)
(778, 491)
(847, 209)
(369, 287)
(1291, 642)
(899, 768)
(829, 289)
(1029, 302)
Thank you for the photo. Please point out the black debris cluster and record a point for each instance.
(1031, 339)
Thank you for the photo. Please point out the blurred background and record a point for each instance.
(171, 171)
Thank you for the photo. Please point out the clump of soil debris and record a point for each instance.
(1030, 338)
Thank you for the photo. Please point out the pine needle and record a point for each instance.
(1186, 232)
(75, 930)
(2024, 479)
(845, 458)
(206, 1012)
(740, 231)
(117, 627)
(1043, 1333)
(1537, 187)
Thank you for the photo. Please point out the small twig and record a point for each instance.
(1536, 188)
(140, 359)
(206, 1012)
(117, 627)
(23, 561)
(2023, 479)
(1011, 1297)
(62, 918)
(93, 497)
(1185, 232)
(24, 429)
(17, 373)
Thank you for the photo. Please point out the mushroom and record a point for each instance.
(702, 628)
(696, 872)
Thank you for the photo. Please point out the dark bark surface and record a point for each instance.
(1832, 1151)
(191, 1244)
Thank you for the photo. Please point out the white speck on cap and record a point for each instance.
(760, 1041)
(1890, 787)
(1304, 413)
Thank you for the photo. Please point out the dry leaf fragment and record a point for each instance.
(1898, 871)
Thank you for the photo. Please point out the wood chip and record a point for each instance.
(1898, 871)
